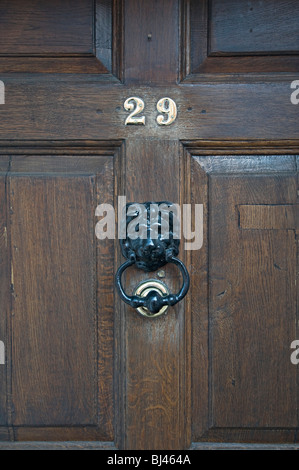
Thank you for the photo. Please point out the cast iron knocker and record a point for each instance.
(152, 240)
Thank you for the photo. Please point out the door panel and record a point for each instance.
(240, 37)
(59, 37)
(248, 268)
(55, 34)
(60, 323)
(53, 321)
(253, 27)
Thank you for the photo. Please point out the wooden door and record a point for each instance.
(80, 365)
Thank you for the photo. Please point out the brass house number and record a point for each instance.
(165, 106)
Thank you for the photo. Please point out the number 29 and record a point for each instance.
(166, 107)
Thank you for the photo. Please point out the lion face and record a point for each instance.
(151, 233)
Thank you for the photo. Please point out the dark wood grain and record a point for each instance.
(54, 27)
(107, 187)
(251, 301)
(238, 446)
(83, 369)
(252, 286)
(240, 37)
(253, 27)
(4, 293)
(41, 109)
(76, 64)
(62, 338)
(280, 217)
(53, 323)
(67, 445)
(103, 31)
(61, 37)
(155, 382)
(151, 38)
(197, 184)
(84, 445)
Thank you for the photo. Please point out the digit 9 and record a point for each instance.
(168, 108)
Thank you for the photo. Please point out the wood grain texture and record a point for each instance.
(253, 27)
(47, 65)
(84, 445)
(197, 184)
(41, 109)
(56, 27)
(46, 434)
(103, 31)
(153, 351)
(252, 301)
(62, 337)
(53, 323)
(239, 37)
(61, 37)
(107, 187)
(81, 365)
(151, 39)
(252, 286)
(67, 445)
(271, 217)
(239, 446)
(4, 294)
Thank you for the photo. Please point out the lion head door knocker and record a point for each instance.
(152, 240)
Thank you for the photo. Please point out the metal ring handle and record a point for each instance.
(153, 302)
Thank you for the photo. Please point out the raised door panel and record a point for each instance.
(253, 27)
(59, 314)
(244, 313)
(60, 36)
(240, 37)
(46, 27)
